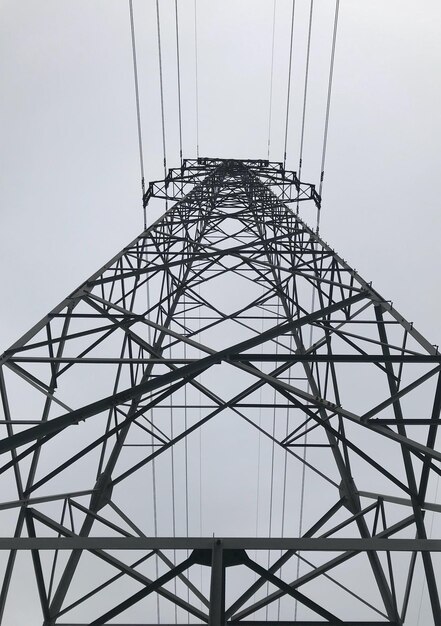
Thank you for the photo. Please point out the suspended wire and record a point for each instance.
(185, 429)
(305, 441)
(328, 106)
(305, 88)
(259, 441)
(302, 138)
(196, 75)
(270, 113)
(173, 498)
(155, 528)
(200, 435)
(285, 473)
(178, 64)
(289, 82)
(138, 110)
(186, 458)
(259, 454)
(270, 523)
(187, 533)
(150, 340)
(161, 85)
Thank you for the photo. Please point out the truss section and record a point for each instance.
(227, 373)
(285, 185)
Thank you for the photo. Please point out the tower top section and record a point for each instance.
(285, 184)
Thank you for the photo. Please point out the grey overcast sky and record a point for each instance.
(69, 175)
(69, 168)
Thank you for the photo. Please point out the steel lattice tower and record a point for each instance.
(228, 318)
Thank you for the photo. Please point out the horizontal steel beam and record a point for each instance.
(103, 360)
(254, 623)
(294, 623)
(339, 358)
(74, 417)
(206, 543)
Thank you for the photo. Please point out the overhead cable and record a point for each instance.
(305, 88)
(138, 111)
(328, 105)
(196, 76)
(285, 471)
(155, 527)
(271, 499)
(161, 85)
(179, 79)
(289, 82)
(271, 80)
(172, 452)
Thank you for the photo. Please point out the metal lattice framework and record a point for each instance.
(227, 319)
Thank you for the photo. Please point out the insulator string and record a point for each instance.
(288, 96)
(138, 110)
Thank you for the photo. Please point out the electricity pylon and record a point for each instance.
(230, 326)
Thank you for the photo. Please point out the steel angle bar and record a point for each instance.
(288, 590)
(428, 506)
(341, 462)
(256, 623)
(284, 558)
(330, 544)
(320, 570)
(336, 358)
(179, 256)
(152, 587)
(75, 416)
(411, 444)
(122, 567)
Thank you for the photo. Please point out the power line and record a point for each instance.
(285, 471)
(179, 79)
(155, 522)
(196, 77)
(138, 111)
(305, 437)
(271, 80)
(328, 103)
(173, 497)
(305, 89)
(289, 82)
(161, 85)
(273, 445)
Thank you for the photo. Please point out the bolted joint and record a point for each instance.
(349, 494)
(102, 493)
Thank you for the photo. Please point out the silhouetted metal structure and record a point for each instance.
(231, 305)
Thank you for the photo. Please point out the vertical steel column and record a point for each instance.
(217, 587)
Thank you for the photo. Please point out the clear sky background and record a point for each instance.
(69, 165)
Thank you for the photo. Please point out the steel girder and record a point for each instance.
(229, 319)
